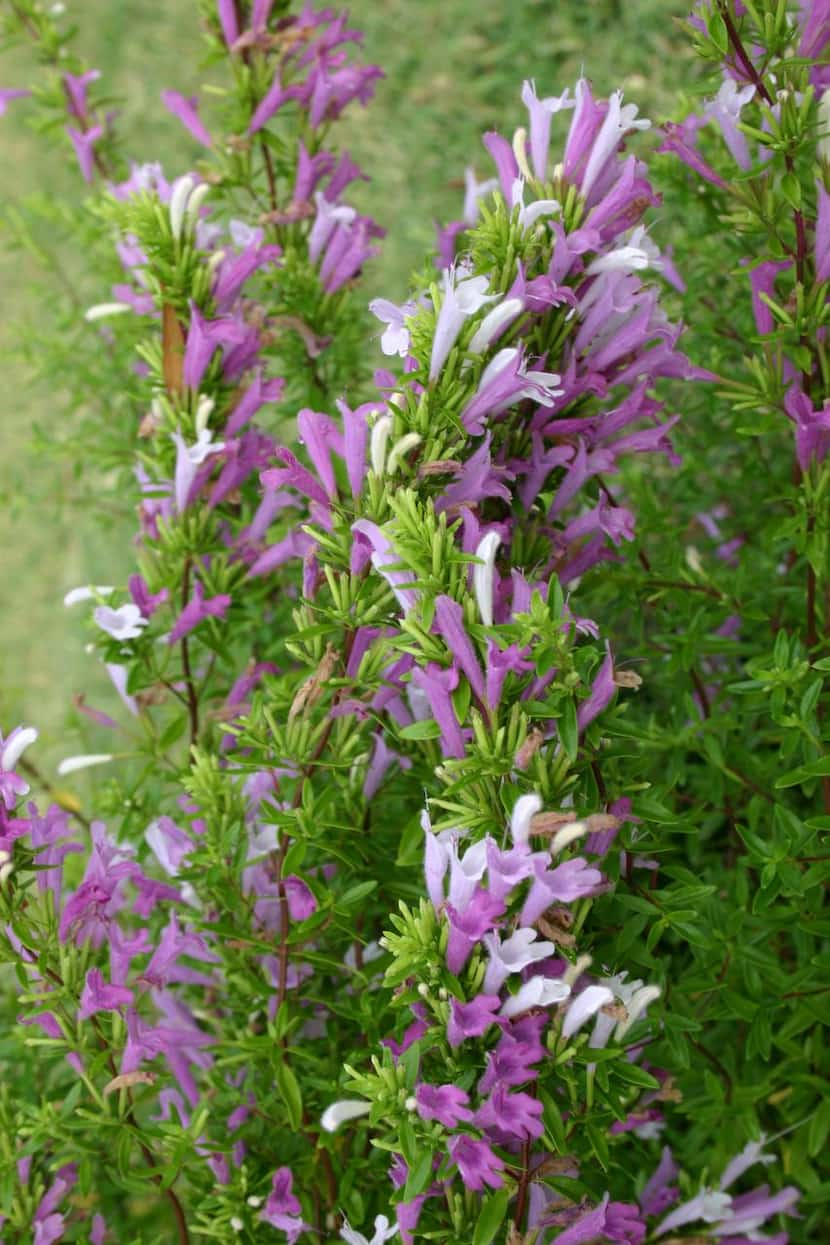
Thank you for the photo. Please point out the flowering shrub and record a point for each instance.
(385, 929)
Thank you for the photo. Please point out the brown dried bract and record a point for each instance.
(627, 678)
(127, 1079)
(309, 693)
(529, 748)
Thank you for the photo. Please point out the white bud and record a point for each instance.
(423, 990)
(693, 560)
(823, 145)
(195, 202)
(15, 746)
(69, 764)
(214, 261)
(483, 575)
(203, 413)
(100, 311)
(575, 971)
(377, 443)
(410, 1104)
(399, 449)
(635, 1007)
(520, 152)
(492, 324)
(568, 834)
(254, 1201)
(182, 189)
(5, 873)
(341, 1112)
(87, 594)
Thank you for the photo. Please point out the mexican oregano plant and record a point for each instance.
(278, 993)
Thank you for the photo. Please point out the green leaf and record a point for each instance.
(492, 1217)
(421, 730)
(819, 1128)
(289, 1088)
(420, 1174)
(568, 730)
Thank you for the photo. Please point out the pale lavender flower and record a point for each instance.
(75, 86)
(384, 1231)
(466, 871)
(752, 1153)
(189, 458)
(329, 216)
(725, 109)
(438, 684)
(468, 926)
(474, 192)
(708, 1206)
(812, 427)
(124, 623)
(572, 880)
(449, 623)
(533, 212)
(659, 1193)
(383, 558)
(618, 121)
(462, 298)
(512, 956)
(494, 323)
(537, 992)
(395, 338)
(541, 111)
(13, 747)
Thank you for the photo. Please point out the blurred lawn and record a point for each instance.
(454, 69)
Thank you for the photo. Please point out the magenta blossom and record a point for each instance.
(445, 1103)
(478, 1166)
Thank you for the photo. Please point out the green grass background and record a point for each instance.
(454, 69)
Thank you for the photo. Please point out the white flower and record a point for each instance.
(586, 1004)
(69, 764)
(823, 145)
(188, 460)
(125, 623)
(538, 992)
(466, 872)
(75, 595)
(618, 120)
(401, 447)
(15, 746)
(341, 1112)
(512, 955)
(384, 1231)
(524, 810)
(621, 259)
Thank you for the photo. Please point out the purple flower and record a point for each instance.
(478, 1166)
(204, 337)
(253, 399)
(197, 610)
(822, 233)
(572, 880)
(164, 968)
(602, 693)
(680, 140)
(445, 1103)
(329, 216)
(84, 143)
(509, 1116)
(504, 381)
(383, 558)
(659, 1193)
(511, 1062)
(471, 1019)
(187, 111)
(468, 926)
(146, 601)
(762, 280)
(812, 427)
(437, 684)
(383, 758)
(8, 93)
(300, 898)
(97, 996)
(75, 86)
(228, 20)
(282, 1208)
(449, 623)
